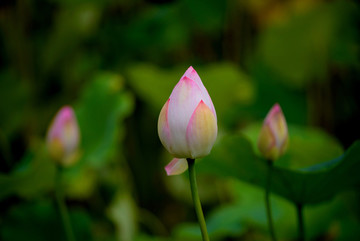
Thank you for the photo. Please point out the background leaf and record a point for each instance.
(246, 211)
(234, 157)
(36, 177)
(103, 105)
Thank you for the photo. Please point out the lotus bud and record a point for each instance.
(273, 139)
(63, 137)
(187, 124)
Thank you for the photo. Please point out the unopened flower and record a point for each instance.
(63, 137)
(273, 139)
(187, 124)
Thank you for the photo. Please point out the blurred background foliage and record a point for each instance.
(116, 62)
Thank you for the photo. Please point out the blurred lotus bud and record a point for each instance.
(187, 124)
(273, 139)
(63, 137)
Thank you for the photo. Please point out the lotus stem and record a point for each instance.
(63, 208)
(196, 199)
(267, 201)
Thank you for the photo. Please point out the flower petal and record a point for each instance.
(192, 74)
(277, 123)
(202, 131)
(273, 138)
(266, 141)
(183, 101)
(163, 127)
(71, 135)
(176, 166)
(63, 135)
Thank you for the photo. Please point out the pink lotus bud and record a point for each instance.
(187, 124)
(273, 139)
(63, 137)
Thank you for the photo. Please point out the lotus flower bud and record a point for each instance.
(273, 139)
(187, 124)
(63, 137)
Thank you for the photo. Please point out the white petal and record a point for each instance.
(202, 131)
(192, 74)
(176, 166)
(163, 127)
(183, 101)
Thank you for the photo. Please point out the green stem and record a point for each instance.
(196, 199)
(267, 201)
(300, 217)
(62, 208)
